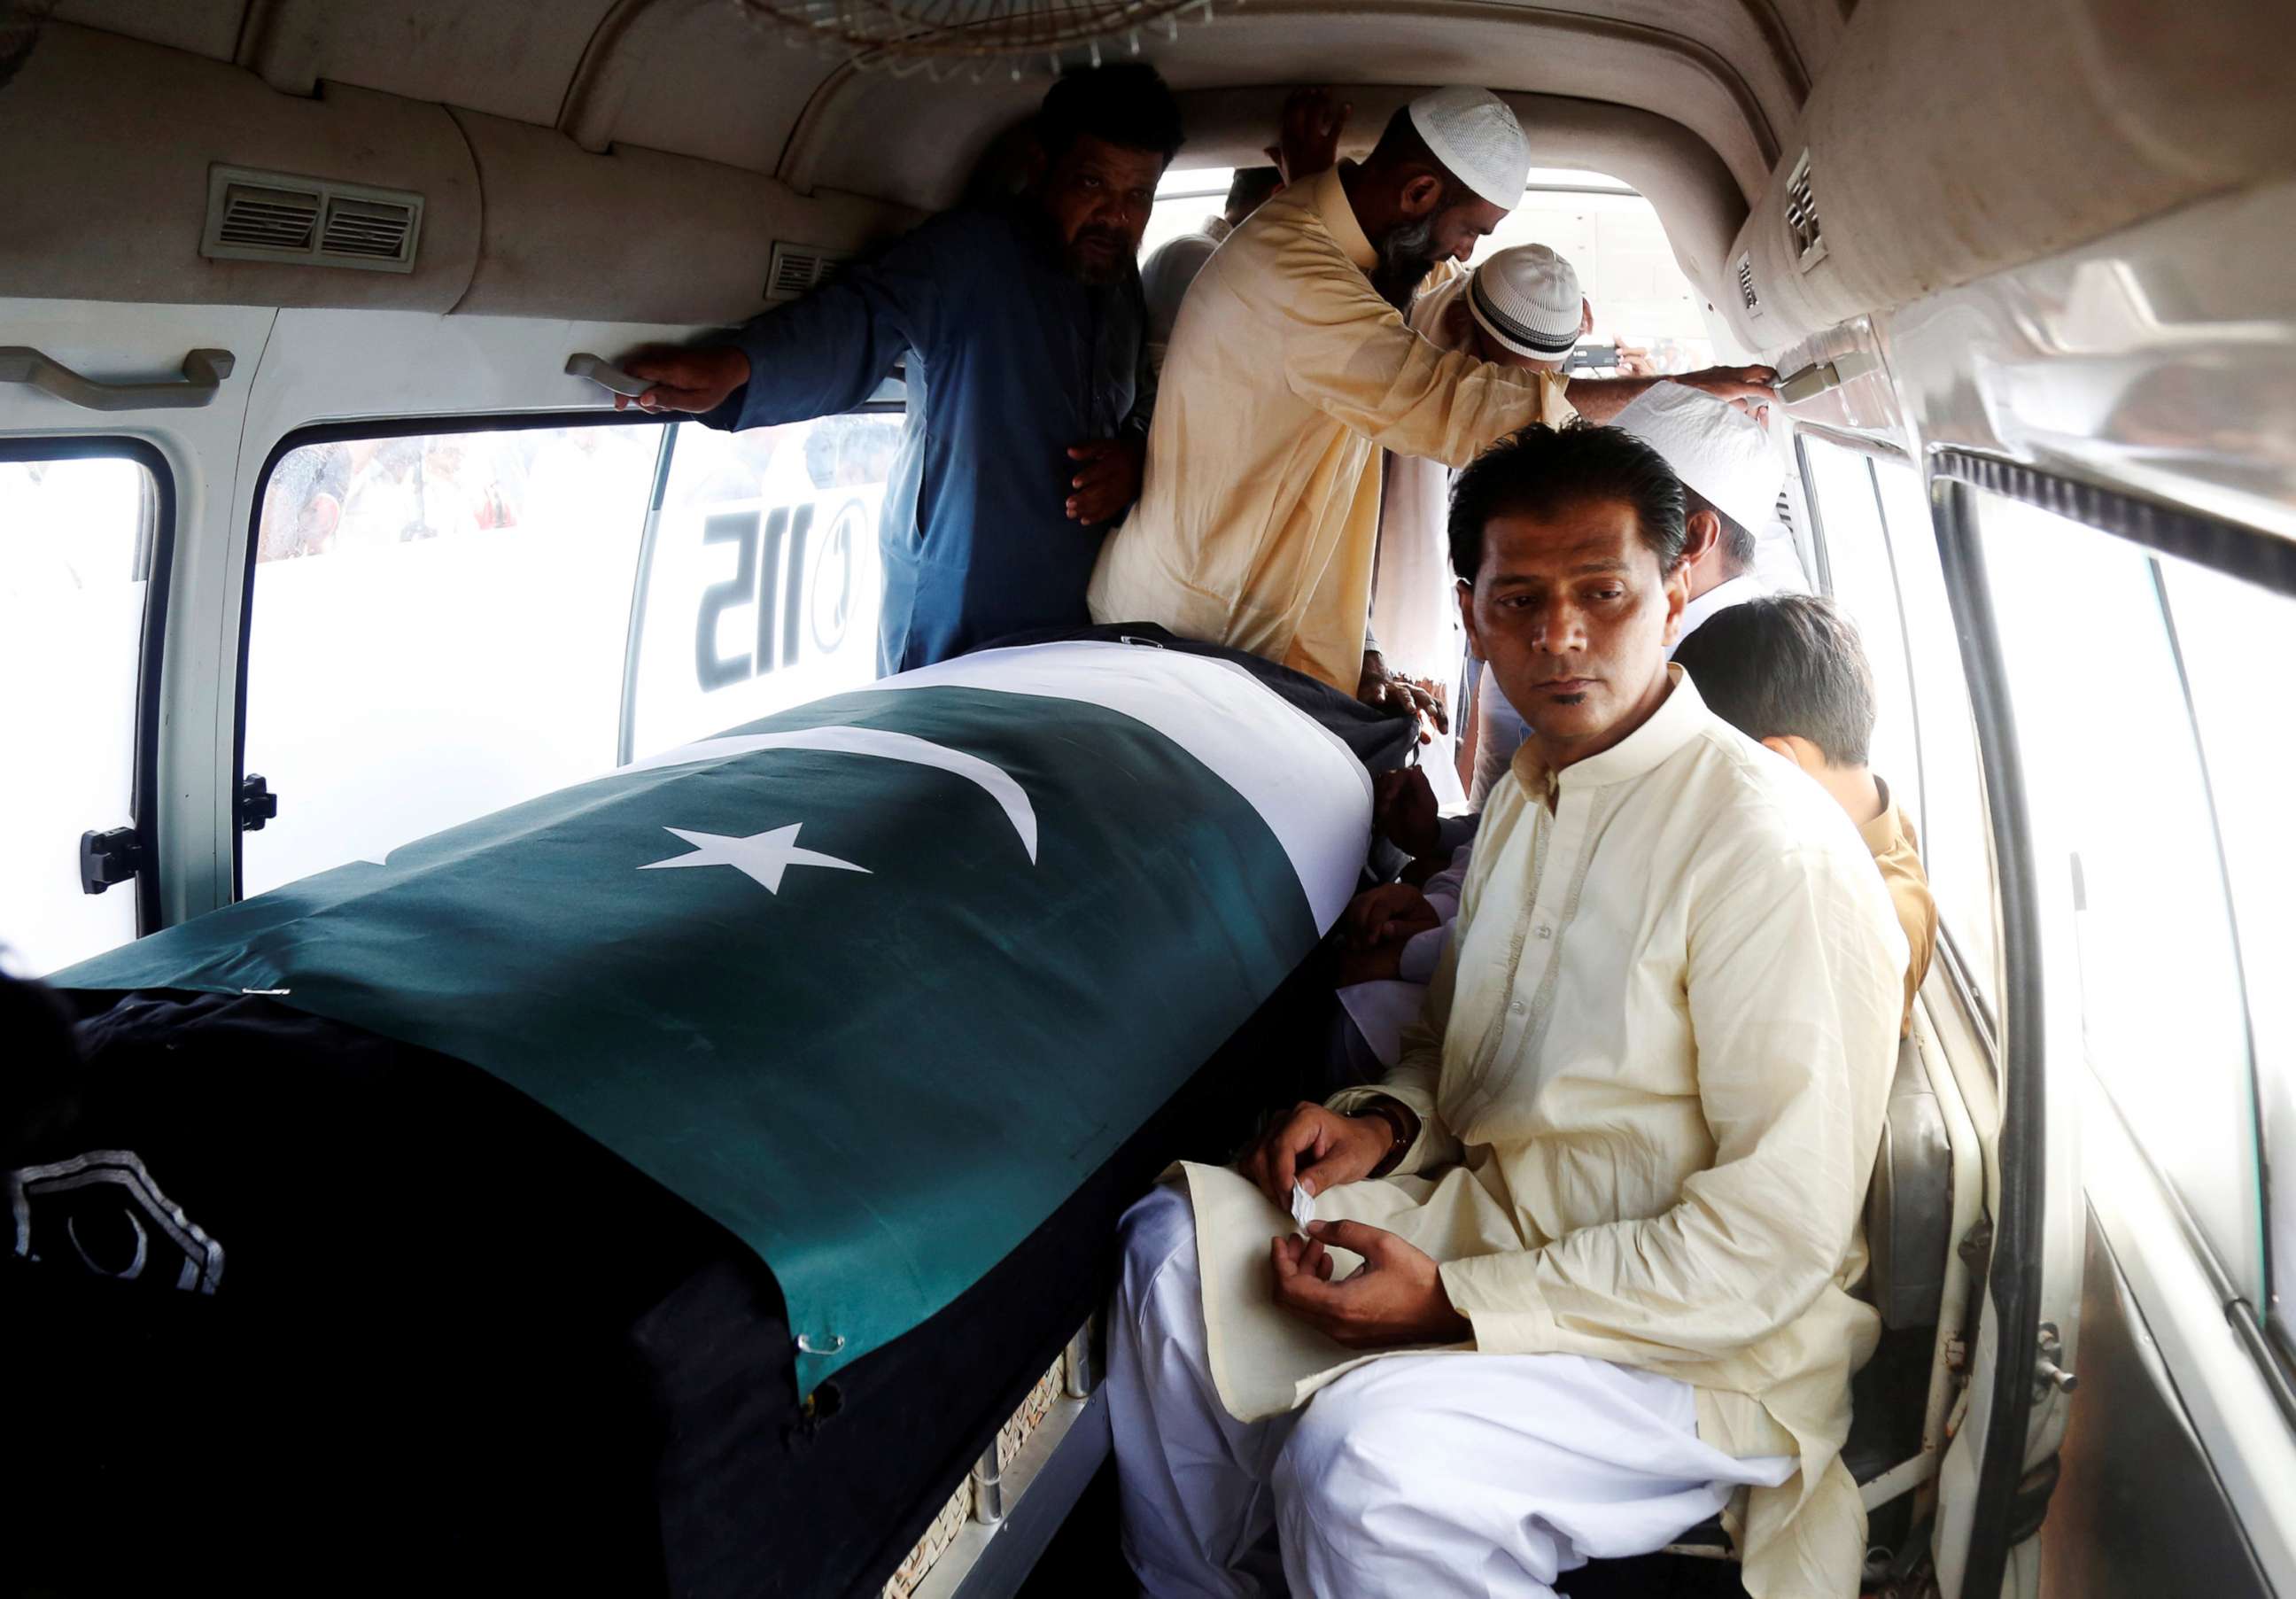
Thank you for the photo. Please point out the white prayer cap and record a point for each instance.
(1474, 135)
(1713, 447)
(1526, 298)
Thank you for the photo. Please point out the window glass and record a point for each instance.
(1644, 305)
(444, 625)
(2231, 635)
(1957, 839)
(1866, 586)
(77, 538)
(2124, 837)
(436, 631)
(762, 585)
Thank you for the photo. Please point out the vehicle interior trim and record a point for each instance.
(2248, 553)
(143, 794)
(2013, 1280)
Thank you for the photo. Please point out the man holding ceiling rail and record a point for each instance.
(1029, 388)
(1290, 367)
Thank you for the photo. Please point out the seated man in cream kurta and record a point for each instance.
(1606, 1210)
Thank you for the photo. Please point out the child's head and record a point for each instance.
(1787, 670)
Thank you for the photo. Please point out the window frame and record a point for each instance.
(2226, 548)
(1975, 1003)
(143, 789)
(2013, 1273)
(392, 427)
(889, 398)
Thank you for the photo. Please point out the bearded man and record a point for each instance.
(1290, 367)
(1024, 334)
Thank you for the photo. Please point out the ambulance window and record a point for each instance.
(82, 563)
(1610, 235)
(442, 625)
(762, 579)
(435, 630)
(1957, 838)
(1184, 202)
(1865, 583)
(2124, 824)
(1644, 308)
(2229, 635)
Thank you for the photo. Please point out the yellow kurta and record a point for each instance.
(1413, 613)
(1258, 515)
(1890, 836)
(1652, 1074)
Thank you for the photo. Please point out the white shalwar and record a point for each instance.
(1650, 1081)
(1423, 1475)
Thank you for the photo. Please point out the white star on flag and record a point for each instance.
(762, 855)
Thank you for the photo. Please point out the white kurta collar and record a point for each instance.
(1673, 723)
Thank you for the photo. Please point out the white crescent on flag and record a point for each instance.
(1302, 779)
(995, 780)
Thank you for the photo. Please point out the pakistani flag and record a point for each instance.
(876, 983)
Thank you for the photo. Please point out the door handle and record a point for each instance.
(204, 371)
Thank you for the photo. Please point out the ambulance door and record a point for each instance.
(112, 418)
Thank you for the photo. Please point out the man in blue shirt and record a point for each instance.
(1023, 327)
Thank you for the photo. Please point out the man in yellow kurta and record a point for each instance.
(1290, 367)
(1606, 1208)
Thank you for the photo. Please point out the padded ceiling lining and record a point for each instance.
(208, 27)
(132, 127)
(696, 76)
(701, 77)
(509, 58)
(1689, 102)
(917, 142)
(1912, 175)
(638, 235)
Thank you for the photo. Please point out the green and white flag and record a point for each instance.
(875, 982)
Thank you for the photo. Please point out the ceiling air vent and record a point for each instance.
(308, 221)
(258, 216)
(1746, 286)
(1801, 216)
(370, 232)
(799, 268)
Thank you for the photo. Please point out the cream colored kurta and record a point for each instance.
(1259, 513)
(1652, 1074)
(1414, 613)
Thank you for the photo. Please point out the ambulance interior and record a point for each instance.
(2027, 262)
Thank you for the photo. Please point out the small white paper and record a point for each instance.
(1303, 1206)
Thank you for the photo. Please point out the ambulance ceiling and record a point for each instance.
(702, 78)
(1813, 161)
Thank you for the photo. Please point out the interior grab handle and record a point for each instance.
(204, 371)
(1820, 376)
(605, 374)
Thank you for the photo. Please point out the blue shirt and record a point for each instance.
(1011, 360)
